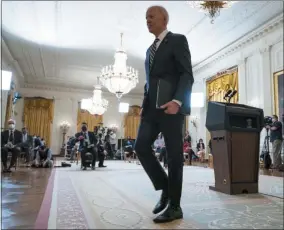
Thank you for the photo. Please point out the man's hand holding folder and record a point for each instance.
(171, 107)
(165, 92)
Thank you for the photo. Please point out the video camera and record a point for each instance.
(268, 121)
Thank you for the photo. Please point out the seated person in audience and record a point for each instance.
(43, 157)
(42, 141)
(11, 141)
(201, 150)
(27, 144)
(36, 145)
(189, 153)
(160, 148)
(128, 142)
(88, 142)
(159, 143)
(187, 137)
(128, 147)
(101, 151)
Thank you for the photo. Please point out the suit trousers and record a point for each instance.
(4, 156)
(101, 158)
(152, 123)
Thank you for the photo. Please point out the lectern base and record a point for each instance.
(238, 188)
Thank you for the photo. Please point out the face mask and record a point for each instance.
(11, 126)
(273, 120)
(84, 128)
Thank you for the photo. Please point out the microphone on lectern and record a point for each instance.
(227, 94)
(233, 93)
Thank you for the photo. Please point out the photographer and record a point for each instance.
(276, 140)
(88, 143)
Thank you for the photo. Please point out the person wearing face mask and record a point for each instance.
(276, 139)
(11, 140)
(27, 144)
(88, 142)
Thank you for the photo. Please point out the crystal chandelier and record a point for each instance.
(95, 105)
(211, 8)
(119, 78)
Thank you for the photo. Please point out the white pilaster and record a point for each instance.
(265, 80)
(242, 81)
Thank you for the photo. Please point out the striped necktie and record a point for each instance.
(153, 49)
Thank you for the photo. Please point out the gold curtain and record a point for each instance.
(218, 85)
(132, 121)
(38, 117)
(9, 106)
(91, 120)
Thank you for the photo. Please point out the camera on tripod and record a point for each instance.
(268, 121)
(265, 155)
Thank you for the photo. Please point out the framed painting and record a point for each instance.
(278, 82)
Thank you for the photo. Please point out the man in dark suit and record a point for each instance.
(167, 58)
(11, 140)
(88, 143)
(27, 144)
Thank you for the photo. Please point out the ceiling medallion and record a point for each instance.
(119, 78)
(211, 8)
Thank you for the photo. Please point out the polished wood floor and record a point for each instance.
(22, 195)
(23, 192)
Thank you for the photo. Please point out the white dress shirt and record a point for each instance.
(25, 137)
(87, 137)
(161, 38)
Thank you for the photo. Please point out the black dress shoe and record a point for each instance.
(162, 204)
(84, 168)
(170, 214)
(102, 166)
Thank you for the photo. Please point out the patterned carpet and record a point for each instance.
(121, 196)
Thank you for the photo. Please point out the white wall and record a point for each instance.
(257, 61)
(4, 97)
(65, 109)
(8, 65)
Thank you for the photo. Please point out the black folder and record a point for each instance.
(165, 92)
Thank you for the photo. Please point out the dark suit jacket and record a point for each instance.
(92, 138)
(37, 142)
(5, 137)
(172, 62)
(29, 142)
(199, 146)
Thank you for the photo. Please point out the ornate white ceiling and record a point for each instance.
(67, 43)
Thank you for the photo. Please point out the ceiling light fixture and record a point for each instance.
(119, 78)
(96, 105)
(211, 8)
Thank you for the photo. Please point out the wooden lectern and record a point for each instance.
(235, 136)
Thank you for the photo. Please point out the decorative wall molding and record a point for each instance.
(74, 90)
(257, 34)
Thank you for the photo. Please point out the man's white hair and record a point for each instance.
(11, 120)
(163, 11)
